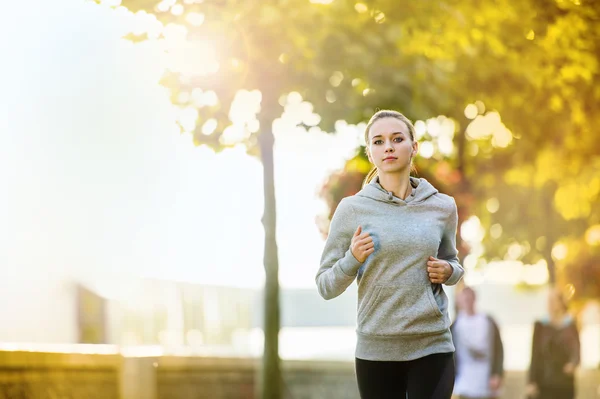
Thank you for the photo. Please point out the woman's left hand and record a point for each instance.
(439, 271)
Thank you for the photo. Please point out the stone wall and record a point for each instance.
(43, 375)
(35, 375)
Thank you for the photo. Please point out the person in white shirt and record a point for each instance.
(479, 352)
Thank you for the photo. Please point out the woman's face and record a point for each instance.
(554, 303)
(390, 147)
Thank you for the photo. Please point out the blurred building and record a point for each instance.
(178, 317)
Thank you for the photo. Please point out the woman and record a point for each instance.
(554, 353)
(397, 238)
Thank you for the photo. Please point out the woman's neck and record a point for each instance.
(398, 184)
(557, 318)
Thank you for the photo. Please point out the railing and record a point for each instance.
(105, 372)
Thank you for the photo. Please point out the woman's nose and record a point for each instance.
(389, 146)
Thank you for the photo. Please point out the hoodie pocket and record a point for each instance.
(401, 310)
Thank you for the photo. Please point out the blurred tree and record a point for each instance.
(337, 55)
(265, 50)
(536, 64)
(578, 265)
(544, 187)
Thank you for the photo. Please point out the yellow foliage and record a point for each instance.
(549, 167)
(521, 176)
(358, 164)
(556, 103)
(574, 200)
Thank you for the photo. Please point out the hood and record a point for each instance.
(422, 190)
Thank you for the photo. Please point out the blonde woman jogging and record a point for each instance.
(397, 237)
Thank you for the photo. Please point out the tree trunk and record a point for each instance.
(551, 235)
(464, 191)
(551, 271)
(270, 376)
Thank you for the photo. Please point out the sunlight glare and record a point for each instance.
(175, 34)
(361, 8)
(245, 106)
(420, 129)
(445, 145)
(471, 230)
(198, 97)
(253, 126)
(470, 262)
(195, 18)
(234, 134)
(471, 111)
(311, 119)
(188, 118)
(192, 58)
(330, 96)
(536, 274)
(434, 127)
(165, 5)
(592, 235)
(111, 3)
(177, 10)
(490, 124)
(514, 251)
(336, 78)
(559, 251)
(502, 137)
(209, 127)
(209, 98)
(496, 231)
(183, 97)
(426, 149)
(294, 98)
(492, 205)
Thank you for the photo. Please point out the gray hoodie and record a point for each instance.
(401, 314)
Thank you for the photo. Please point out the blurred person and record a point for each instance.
(397, 238)
(555, 352)
(479, 350)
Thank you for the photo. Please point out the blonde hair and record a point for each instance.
(385, 113)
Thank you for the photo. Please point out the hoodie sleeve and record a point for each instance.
(338, 266)
(447, 250)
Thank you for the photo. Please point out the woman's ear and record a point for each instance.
(415, 148)
(369, 155)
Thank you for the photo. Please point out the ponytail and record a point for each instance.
(370, 176)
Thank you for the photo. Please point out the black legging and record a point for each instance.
(430, 377)
(557, 392)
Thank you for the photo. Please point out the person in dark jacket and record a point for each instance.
(479, 353)
(555, 352)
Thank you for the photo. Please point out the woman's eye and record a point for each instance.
(398, 139)
(378, 142)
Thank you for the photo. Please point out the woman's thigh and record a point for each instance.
(431, 377)
(381, 379)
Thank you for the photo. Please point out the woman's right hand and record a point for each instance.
(532, 390)
(569, 368)
(362, 245)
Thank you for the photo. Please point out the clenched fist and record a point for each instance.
(362, 245)
(439, 271)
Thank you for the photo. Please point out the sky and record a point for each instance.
(99, 183)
